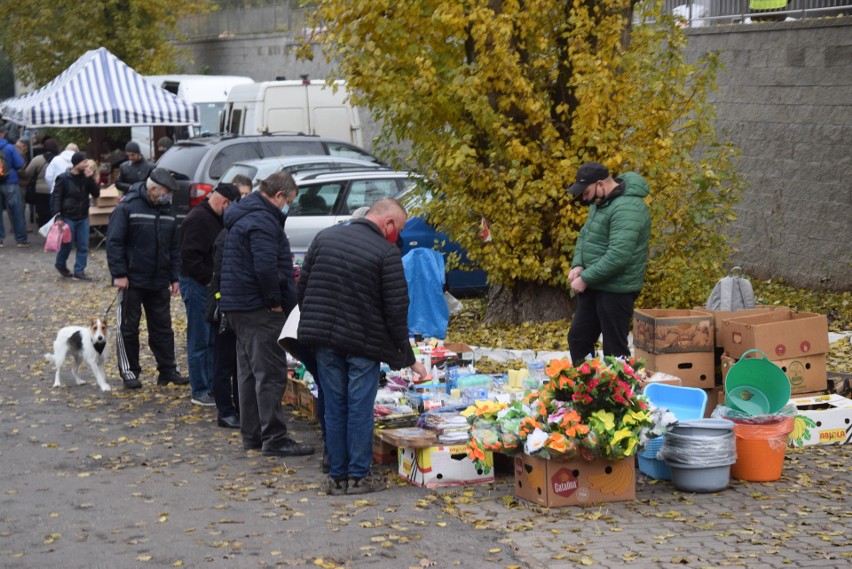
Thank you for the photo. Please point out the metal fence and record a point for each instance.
(700, 13)
(289, 17)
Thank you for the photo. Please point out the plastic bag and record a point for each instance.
(45, 229)
(58, 234)
(453, 304)
(722, 412)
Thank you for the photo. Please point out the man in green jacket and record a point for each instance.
(608, 268)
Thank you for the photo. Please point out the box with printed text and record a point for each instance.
(437, 466)
(577, 482)
(670, 331)
(821, 420)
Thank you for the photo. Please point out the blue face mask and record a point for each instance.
(285, 209)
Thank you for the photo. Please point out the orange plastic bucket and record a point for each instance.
(761, 450)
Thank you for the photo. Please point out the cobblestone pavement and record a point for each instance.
(146, 479)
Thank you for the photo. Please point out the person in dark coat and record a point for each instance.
(353, 299)
(257, 294)
(71, 196)
(198, 233)
(143, 254)
(135, 169)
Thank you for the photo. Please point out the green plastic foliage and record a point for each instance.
(503, 100)
(44, 37)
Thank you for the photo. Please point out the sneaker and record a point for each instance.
(132, 383)
(82, 277)
(370, 483)
(177, 379)
(205, 400)
(334, 487)
(24, 244)
(64, 272)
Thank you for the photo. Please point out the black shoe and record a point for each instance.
(326, 460)
(82, 277)
(177, 379)
(132, 383)
(64, 272)
(229, 422)
(251, 446)
(289, 448)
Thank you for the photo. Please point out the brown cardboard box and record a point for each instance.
(695, 369)
(719, 316)
(806, 374)
(290, 395)
(780, 334)
(108, 198)
(576, 482)
(383, 453)
(308, 402)
(715, 397)
(673, 331)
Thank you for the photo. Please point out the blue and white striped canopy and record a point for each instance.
(99, 90)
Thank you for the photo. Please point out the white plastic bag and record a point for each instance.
(44, 229)
(453, 303)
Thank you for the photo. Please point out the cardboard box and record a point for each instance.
(715, 397)
(719, 316)
(806, 374)
(383, 453)
(99, 215)
(822, 420)
(576, 482)
(108, 198)
(695, 369)
(673, 331)
(780, 334)
(438, 466)
(308, 402)
(290, 395)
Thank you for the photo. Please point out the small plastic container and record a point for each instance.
(694, 478)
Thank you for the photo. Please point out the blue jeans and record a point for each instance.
(349, 386)
(10, 198)
(199, 340)
(80, 237)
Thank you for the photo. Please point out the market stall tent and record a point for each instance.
(98, 90)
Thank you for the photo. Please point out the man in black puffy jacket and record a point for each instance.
(143, 254)
(257, 294)
(353, 299)
(71, 204)
(136, 169)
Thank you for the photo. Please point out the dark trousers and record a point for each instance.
(161, 337)
(42, 209)
(261, 376)
(225, 387)
(600, 312)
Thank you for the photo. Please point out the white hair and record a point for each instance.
(72, 147)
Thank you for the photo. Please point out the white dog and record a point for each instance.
(84, 345)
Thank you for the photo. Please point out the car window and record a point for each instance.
(317, 199)
(291, 148)
(348, 151)
(183, 160)
(367, 192)
(232, 153)
(243, 169)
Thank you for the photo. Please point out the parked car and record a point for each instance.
(198, 163)
(327, 198)
(262, 168)
(468, 279)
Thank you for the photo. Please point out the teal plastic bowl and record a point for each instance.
(756, 386)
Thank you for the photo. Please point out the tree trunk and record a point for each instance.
(527, 302)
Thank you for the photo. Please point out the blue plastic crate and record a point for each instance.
(654, 468)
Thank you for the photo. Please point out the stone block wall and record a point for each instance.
(785, 99)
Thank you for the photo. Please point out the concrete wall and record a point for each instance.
(784, 98)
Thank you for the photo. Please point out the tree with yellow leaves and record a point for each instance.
(502, 100)
(43, 37)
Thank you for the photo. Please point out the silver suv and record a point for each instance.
(261, 169)
(198, 163)
(331, 197)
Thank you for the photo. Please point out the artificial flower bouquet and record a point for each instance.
(592, 411)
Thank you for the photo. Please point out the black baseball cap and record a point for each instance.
(589, 173)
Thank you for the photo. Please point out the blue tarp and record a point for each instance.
(427, 310)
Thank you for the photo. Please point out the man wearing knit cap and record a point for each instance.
(199, 231)
(143, 254)
(71, 195)
(164, 144)
(136, 169)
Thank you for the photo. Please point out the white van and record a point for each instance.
(292, 107)
(207, 92)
